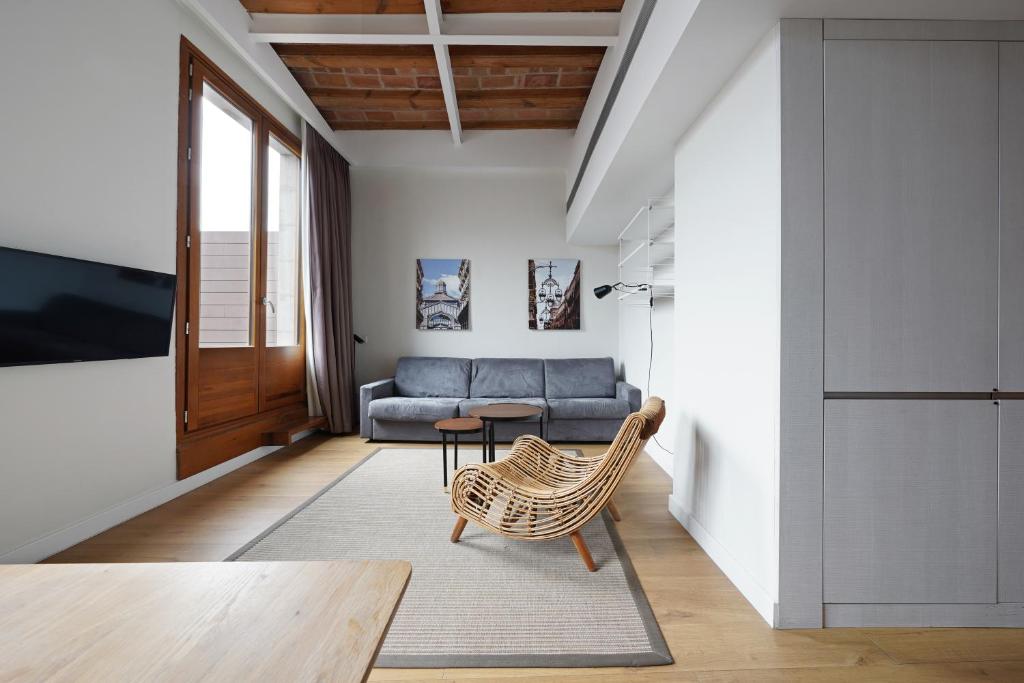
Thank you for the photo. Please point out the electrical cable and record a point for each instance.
(650, 362)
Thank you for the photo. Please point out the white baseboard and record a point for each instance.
(997, 615)
(53, 543)
(760, 599)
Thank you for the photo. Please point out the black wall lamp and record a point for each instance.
(604, 290)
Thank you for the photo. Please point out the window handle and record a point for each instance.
(268, 302)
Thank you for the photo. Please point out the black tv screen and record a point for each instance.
(63, 310)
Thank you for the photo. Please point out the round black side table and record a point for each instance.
(456, 426)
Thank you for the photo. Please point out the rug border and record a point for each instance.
(658, 656)
(273, 527)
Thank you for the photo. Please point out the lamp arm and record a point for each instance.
(635, 285)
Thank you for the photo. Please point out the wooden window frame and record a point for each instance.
(205, 447)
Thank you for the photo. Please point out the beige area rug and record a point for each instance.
(486, 601)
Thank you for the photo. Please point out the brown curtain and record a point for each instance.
(330, 277)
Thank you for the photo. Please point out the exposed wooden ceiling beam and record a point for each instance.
(539, 98)
(395, 100)
(357, 56)
(513, 56)
(509, 124)
(416, 39)
(400, 100)
(422, 56)
(517, 124)
(390, 125)
(335, 6)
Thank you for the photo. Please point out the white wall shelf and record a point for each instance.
(647, 251)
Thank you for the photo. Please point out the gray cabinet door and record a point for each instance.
(910, 501)
(911, 215)
(1011, 217)
(1011, 501)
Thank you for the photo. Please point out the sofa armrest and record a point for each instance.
(627, 392)
(368, 392)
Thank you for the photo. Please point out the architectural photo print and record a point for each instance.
(554, 294)
(442, 294)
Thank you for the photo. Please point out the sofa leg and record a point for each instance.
(460, 524)
(581, 548)
(614, 510)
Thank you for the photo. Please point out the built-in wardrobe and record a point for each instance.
(915, 255)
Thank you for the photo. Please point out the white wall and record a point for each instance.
(728, 231)
(636, 322)
(498, 219)
(89, 140)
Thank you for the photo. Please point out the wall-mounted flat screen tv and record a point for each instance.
(63, 310)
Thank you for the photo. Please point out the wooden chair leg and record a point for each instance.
(460, 524)
(581, 548)
(614, 510)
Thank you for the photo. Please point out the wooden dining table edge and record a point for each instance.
(391, 619)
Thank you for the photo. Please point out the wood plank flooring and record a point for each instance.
(713, 633)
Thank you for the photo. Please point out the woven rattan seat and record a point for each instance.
(539, 493)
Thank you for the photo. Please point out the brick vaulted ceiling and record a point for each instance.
(359, 86)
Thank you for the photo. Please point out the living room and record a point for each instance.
(536, 339)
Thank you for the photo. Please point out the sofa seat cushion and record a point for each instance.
(429, 377)
(579, 378)
(405, 409)
(468, 404)
(507, 377)
(587, 408)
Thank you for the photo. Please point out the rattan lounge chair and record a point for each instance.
(539, 493)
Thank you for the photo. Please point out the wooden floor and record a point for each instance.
(712, 631)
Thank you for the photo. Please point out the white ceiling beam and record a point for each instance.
(594, 24)
(527, 39)
(432, 10)
(539, 29)
(413, 39)
(451, 102)
(444, 69)
(384, 24)
(344, 38)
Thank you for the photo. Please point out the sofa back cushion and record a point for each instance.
(507, 378)
(579, 378)
(419, 377)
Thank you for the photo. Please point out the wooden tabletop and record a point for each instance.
(192, 621)
(506, 411)
(459, 424)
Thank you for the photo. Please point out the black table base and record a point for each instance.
(489, 443)
(455, 435)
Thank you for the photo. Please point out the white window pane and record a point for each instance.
(282, 245)
(225, 223)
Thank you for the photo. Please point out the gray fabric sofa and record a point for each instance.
(581, 398)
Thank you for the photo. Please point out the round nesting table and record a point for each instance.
(505, 412)
(456, 426)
